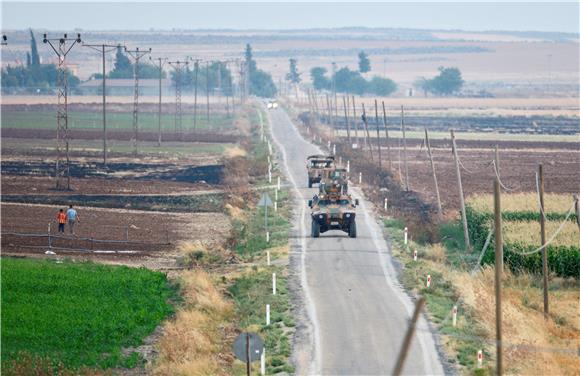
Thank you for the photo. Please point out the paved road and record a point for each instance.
(357, 310)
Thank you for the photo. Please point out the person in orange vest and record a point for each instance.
(61, 218)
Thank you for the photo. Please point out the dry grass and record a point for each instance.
(436, 253)
(528, 233)
(235, 151)
(194, 342)
(523, 322)
(558, 203)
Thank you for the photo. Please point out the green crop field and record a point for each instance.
(115, 120)
(73, 315)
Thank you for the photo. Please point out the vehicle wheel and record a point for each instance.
(352, 229)
(315, 229)
(309, 183)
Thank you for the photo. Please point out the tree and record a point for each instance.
(293, 76)
(382, 86)
(261, 83)
(364, 64)
(34, 57)
(422, 84)
(319, 79)
(348, 81)
(448, 81)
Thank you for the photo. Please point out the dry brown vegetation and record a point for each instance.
(532, 345)
(196, 341)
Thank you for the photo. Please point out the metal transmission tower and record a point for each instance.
(136, 54)
(178, 66)
(103, 49)
(62, 136)
(160, 61)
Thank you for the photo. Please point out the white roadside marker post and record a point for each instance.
(278, 186)
(334, 149)
(267, 236)
(360, 177)
(328, 145)
(276, 205)
(415, 255)
(348, 166)
(480, 359)
(386, 203)
(267, 314)
(428, 280)
(263, 362)
(339, 160)
(454, 316)
(268, 257)
(276, 194)
(406, 240)
(273, 283)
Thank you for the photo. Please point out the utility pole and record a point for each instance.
(195, 81)
(136, 54)
(161, 61)
(405, 149)
(498, 276)
(207, 89)
(543, 238)
(178, 66)
(355, 122)
(461, 198)
(103, 49)
(378, 133)
(408, 337)
(368, 136)
(344, 101)
(62, 171)
(428, 145)
(334, 90)
(387, 136)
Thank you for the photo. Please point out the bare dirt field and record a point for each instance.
(518, 166)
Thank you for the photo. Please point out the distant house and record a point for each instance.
(125, 86)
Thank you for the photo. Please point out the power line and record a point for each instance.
(161, 61)
(62, 170)
(103, 49)
(136, 54)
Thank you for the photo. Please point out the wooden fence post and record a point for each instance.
(498, 276)
(543, 239)
(387, 136)
(428, 144)
(460, 187)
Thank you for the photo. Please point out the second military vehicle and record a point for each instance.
(319, 166)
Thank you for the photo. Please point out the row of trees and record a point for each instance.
(345, 80)
(34, 76)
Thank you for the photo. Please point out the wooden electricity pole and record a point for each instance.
(368, 136)
(355, 122)
(408, 337)
(460, 187)
(428, 144)
(378, 133)
(346, 120)
(543, 239)
(387, 136)
(405, 149)
(498, 276)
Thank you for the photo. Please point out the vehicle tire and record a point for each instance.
(309, 183)
(352, 229)
(315, 229)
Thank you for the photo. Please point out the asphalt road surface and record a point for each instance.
(357, 311)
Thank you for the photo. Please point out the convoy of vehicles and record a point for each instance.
(332, 208)
(319, 166)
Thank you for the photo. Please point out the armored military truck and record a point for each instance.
(319, 166)
(335, 182)
(333, 212)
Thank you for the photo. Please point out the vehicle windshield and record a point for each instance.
(320, 164)
(323, 203)
(342, 202)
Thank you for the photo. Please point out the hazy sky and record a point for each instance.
(90, 15)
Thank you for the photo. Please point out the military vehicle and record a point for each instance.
(333, 211)
(319, 166)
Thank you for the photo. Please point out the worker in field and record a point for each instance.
(61, 218)
(72, 217)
